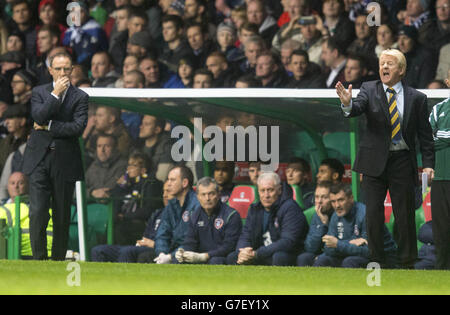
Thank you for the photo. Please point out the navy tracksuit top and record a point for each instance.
(217, 234)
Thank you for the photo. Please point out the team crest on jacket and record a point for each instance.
(185, 216)
(218, 223)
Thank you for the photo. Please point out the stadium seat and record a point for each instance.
(297, 195)
(242, 197)
(426, 205)
(387, 208)
(309, 214)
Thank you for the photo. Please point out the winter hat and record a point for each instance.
(143, 39)
(409, 31)
(228, 27)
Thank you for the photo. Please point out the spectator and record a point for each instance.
(47, 39)
(318, 227)
(203, 79)
(102, 70)
(132, 79)
(336, 22)
(224, 76)
(443, 63)
(108, 166)
(226, 37)
(291, 29)
(49, 18)
(267, 25)
(246, 31)
(247, 81)
(386, 39)
(85, 39)
(174, 48)
(305, 74)
(23, 22)
(117, 23)
(421, 68)
(334, 58)
(224, 175)
(13, 164)
(176, 216)
(416, 13)
(427, 253)
(144, 246)
(129, 78)
(331, 170)
(10, 63)
(22, 83)
(16, 122)
(157, 144)
(355, 71)
(436, 84)
(254, 46)
(197, 11)
(186, 71)
(254, 170)
(79, 77)
(149, 67)
(275, 228)
(200, 45)
(211, 241)
(137, 22)
(137, 195)
(313, 34)
(288, 47)
(270, 71)
(140, 44)
(298, 173)
(292, 9)
(239, 17)
(108, 121)
(365, 42)
(435, 33)
(18, 186)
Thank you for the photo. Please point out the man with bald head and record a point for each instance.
(275, 229)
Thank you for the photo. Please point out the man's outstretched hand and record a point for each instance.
(344, 95)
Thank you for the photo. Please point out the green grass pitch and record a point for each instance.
(31, 277)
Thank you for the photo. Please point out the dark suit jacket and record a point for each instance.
(373, 152)
(69, 119)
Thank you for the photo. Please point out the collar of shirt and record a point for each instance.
(398, 88)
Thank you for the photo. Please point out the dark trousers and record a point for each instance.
(49, 189)
(399, 178)
(118, 253)
(277, 259)
(440, 210)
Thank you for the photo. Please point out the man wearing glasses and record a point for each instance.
(52, 158)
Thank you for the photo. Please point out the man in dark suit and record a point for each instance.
(52, 158)
(396, 115)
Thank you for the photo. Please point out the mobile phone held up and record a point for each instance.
(306, 20)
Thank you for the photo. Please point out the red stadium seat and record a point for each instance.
(427, 207)
(387, 208)
(242, 197)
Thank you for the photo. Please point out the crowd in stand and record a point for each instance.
(207, 44)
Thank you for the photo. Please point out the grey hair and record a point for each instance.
(270, 176)
(206, 181)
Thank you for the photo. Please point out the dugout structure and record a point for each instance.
(310, 121)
